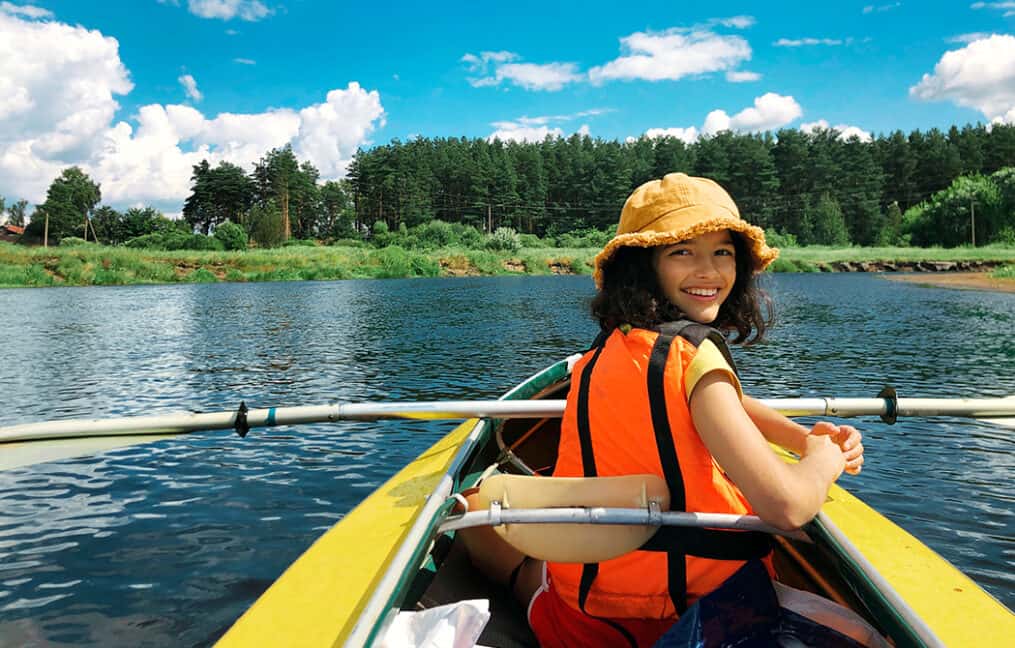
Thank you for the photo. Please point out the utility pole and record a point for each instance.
(45, 231)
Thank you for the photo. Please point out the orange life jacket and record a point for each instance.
(627, 413)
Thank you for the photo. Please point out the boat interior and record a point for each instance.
(528, 446)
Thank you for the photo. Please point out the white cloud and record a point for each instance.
(686, 135)
(742, 76)
(513, 132)
(245, 61)
(57, 85)
(770, 111)
(999, 6)
(249, 10)
(801, 42)
(965, 39)
(738, 22)
(57, 88)
(190, 87)
(673, 54)
(845, 132)
(536, 129)
(980, 75)
(28, 11)
(531, 76)
(879, 8)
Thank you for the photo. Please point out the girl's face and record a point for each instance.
(697, 275)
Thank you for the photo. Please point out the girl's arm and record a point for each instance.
(791, 435)
(784, 495)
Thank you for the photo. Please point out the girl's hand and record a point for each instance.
(848, 439)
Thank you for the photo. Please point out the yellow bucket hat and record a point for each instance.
(677, 208)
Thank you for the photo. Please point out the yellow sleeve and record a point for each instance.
(708, 359)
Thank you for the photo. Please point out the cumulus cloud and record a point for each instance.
(673, 54)
(686, 135)
(536, 129)
(770, 111)
(806, 42)
(190, 87)
(845, 132)
(531, 76)
(57, 89)
(742, 76)
(981, 75)
(28, 11)
(57, 108)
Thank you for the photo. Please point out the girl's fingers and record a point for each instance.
(826, 428)
(853, 453)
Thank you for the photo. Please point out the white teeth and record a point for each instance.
(702, 292)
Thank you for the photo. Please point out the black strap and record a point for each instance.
(676, 565)
(714, 544)
(589, 570)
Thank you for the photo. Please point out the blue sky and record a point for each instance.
(136, 91)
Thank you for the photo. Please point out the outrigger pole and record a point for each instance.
(1000, 411)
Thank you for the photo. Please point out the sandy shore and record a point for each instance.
(960, 280)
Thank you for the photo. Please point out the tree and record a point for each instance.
(109, 226)
(217, 195)
(827, 222)
(266, 226)
(16, 213)
(337, 210)
(232, 236)
(276, 175)
(69, 202)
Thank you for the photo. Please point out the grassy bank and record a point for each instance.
(90, 265)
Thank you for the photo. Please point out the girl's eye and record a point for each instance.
(724, 252)
(680, 252)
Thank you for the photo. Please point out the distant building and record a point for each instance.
(11, 233)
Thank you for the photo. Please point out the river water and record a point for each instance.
(166, 544)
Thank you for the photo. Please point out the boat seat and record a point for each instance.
(579, 543)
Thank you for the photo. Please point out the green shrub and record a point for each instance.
(504, 238)
(72, 241)
(530, 241)
(470, 237)
(778, 239)
(584, 238)
(380, 227)
(202, 275)
(348, 242)
(232, 236)
(396, 262)
(435, 234)
(175, 240)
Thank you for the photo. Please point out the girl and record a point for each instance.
(659, 394)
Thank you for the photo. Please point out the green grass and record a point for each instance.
(90, 265)
(1004, 272)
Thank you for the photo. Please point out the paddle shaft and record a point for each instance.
(988, 408)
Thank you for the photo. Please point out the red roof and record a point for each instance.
(13, 229)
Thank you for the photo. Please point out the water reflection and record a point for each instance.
(167, 543)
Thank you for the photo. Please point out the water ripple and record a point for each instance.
(166, 543)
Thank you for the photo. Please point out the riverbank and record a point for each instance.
(90, 265)
(959, 280)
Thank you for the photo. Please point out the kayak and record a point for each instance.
(390, 554)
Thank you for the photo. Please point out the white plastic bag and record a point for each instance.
(456, 625)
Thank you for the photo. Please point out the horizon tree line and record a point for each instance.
(816, 187)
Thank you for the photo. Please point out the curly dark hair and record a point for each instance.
(631, 294)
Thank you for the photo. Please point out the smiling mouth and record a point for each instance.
(705, 293)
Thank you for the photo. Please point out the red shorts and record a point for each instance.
(558, 625)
